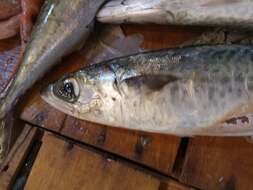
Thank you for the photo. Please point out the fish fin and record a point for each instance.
(152, 82)
(110, 42)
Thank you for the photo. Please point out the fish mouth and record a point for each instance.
(47, 93)
(49, 97)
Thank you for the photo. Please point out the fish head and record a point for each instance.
(73, 94)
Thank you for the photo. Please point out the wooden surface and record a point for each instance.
(218, 163)
(61, 165)
(15, 159)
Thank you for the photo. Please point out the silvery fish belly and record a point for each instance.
(183, 91)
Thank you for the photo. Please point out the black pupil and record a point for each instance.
(65, 90)
(68, 88)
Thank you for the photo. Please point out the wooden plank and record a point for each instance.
(16, 156)
(158, 37)
(218, 163)
(174, 185)
(60, 165)
(154, 150)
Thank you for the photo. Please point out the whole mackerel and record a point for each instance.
(184, 91)
(61, 27)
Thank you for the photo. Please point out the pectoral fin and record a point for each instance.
(152, 82)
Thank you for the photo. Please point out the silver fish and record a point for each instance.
(232, 13)
(61, 27)
(182, 91)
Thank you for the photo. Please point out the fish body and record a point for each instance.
(61, 26)
(235, 13)
(182, 91)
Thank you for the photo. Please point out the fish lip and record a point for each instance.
(48, 96)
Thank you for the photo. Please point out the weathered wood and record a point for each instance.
(154, 150)
(159, 37)
(218, 163)
(16, 156)
(60, 165)
(234, 13)
(174, 185)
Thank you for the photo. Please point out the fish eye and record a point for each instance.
(67, 89)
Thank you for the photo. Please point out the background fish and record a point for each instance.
(182, 91)
(61, 27)
(233, 13)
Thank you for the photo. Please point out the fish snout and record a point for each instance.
(47, 92)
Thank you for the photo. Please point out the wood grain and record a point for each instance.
(60, 165)
(218, 163)
(154, 150)
(16, 156)
(158, 37)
